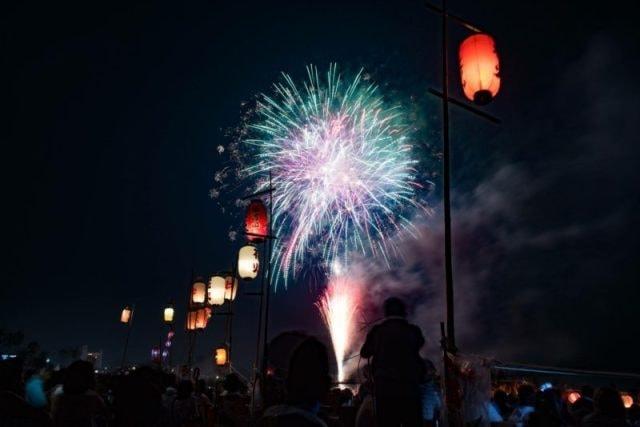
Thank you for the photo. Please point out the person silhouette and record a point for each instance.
(393, 345)
(308, 383)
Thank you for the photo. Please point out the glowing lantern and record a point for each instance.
(221, 356)
(155, 355)
(479, 68)
(191, 320)
(125, 316)
(198, 292)
(255, 222)
(168, 314)
(627, 400)
(216, 290)
(573, 397)
(230, 287)
(198, 319)
(248, 262)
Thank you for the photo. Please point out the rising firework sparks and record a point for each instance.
(338, 307)
(341, 162)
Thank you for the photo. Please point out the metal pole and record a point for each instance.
(268, 285)
(234, 270)
(126, 341)
(260, 311)
(170, 358)
(451, 340)
(229, 335)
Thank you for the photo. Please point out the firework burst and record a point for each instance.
(338, 306)
(342, 167)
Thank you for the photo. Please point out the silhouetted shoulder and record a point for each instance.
(418, 333)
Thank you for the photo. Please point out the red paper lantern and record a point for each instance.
(255, 222)
(479, 68)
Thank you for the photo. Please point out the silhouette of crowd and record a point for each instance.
(397, 387)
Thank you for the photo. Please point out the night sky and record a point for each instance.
(113, 114)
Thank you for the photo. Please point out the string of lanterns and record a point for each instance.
(222, 287)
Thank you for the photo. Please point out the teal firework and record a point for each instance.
(342, 166)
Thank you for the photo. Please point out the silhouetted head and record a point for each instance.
(500, 396)
(607, 401)
(79, 378)
(232, 383)
(11, 375)
(185, 388)
(394, 307)
(547, 402)
(586, 391)
(308, 378)
(526, 395)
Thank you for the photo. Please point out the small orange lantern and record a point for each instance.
(221, 356)
(125, 316)
(198, 319)
(479, 68)
(573, 397)
(627, 400)
(198, 292)
(255, 222)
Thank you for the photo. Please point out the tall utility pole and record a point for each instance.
(449, 349)
(446, 161)
(448, 261)
(264, 293)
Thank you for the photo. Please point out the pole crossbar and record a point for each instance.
(259, 193)
(458, 19)
(467, 107)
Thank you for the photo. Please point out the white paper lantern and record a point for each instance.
(248, 262)
(216, 290)
(198, 292)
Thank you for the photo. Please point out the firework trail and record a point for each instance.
(338, 306)
(342, 167)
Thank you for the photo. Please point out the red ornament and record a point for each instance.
(479, 68)
(255, 223)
